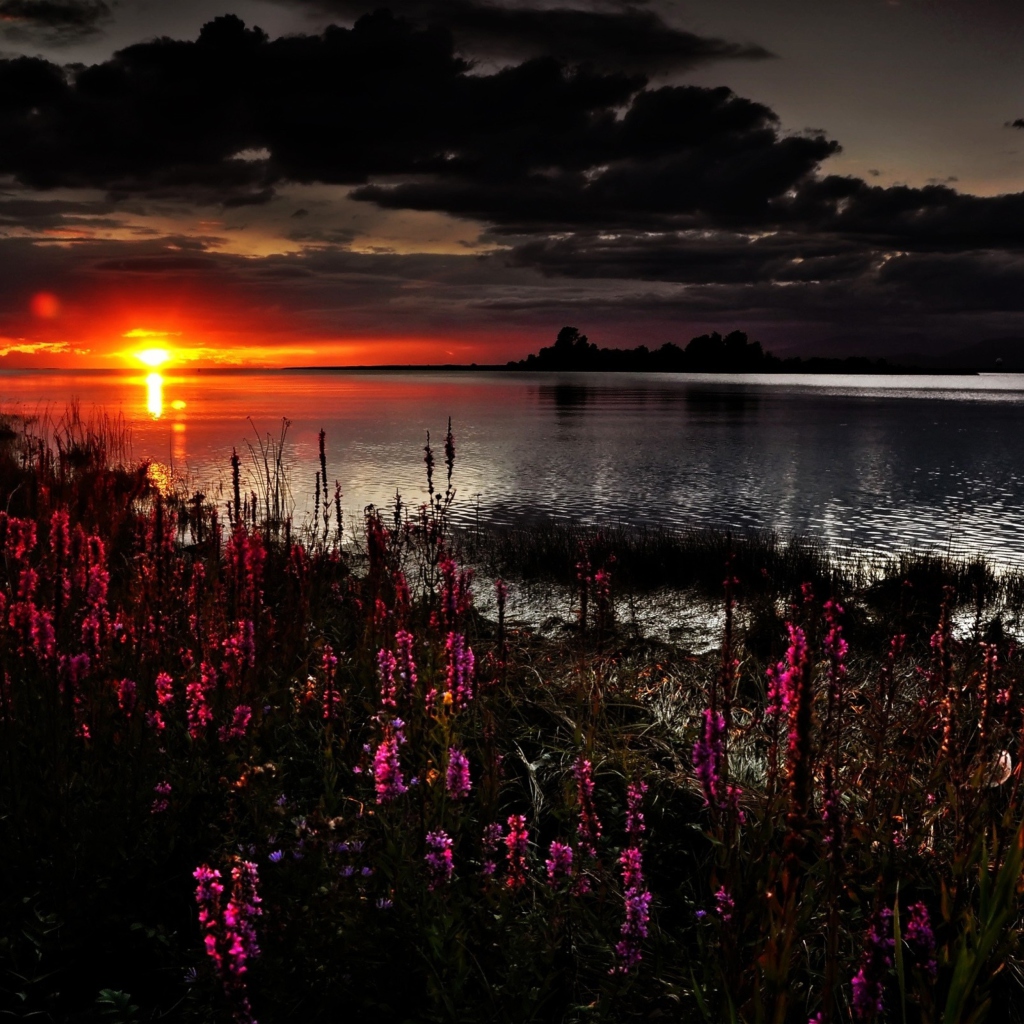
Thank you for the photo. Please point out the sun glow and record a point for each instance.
(153, 357)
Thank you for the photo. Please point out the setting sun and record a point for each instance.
(153, 356)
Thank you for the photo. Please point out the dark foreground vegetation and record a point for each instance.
(709, 353)
(248, 773)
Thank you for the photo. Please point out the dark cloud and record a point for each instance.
(606, 193)
(53, 21)
(625, 37)
(1018, 123)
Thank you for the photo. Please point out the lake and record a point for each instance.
(871, 463)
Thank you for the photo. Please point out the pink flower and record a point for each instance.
(126, 695)
(164, 689)
(405, 664)
(239, 724)
(439, 859)
(559, 862)
(457, 781)
(161, 803)
(589, 826)
(387, 768)
(517, 843)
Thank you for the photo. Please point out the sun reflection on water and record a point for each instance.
(155, 395)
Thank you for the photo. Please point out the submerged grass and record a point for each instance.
(249, 773)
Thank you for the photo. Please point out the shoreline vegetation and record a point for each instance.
(709, 353)
(256, 770)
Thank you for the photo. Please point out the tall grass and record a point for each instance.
(250, 773)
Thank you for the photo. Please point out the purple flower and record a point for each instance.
(725, 904)
(559, 862)
(239, 724)
(387, 769)
(275, 856)
(921, 938)
(708, 762)
(491, 841)
(876, 960)
(457, 780)
(386, 665)
(635, 826)
(161, 803)
(439, 860)
(517, 844)
(634, 930)
(589, 826)
(406, 666)
(461, 667)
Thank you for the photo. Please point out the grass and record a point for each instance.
(829, 831)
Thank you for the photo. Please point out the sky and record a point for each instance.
(331, 182)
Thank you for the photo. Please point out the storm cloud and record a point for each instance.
(576, 164)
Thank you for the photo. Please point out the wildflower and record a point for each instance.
(457, 780)
(164, 689)
(559, 862)
(161, 803)
(275, 856)
(921, 938)
(126, 695)
(155, 721)
(405, 665)
(239, 724)
(517, 844)
(491, 840)
(387, 769)
(724, 904)
(383, 903)
(197, 709)
(461, 666)
(867, 983)
(634, 930)
(708, 762)
(386, 665)
(635, 826)
(332, 698)
(589, 826)
(439, 859)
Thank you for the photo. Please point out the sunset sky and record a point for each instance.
(456, 180)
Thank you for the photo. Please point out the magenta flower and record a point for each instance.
(386, 665)
(461, 667)
(457, 781)
(629, 949)
(439, 860)
(559, 862)
(921, 938)
(387, 768)
(164, 689)
(589, 826)
(517, 843)
(332, 698)
(709, 761)
(405, 663)
(867, 984)
(635, 826)
(492, 838)
(724, 904)
(197, 709)
(126, 696)
(161, 803)
(239, 724)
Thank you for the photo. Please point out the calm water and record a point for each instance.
(879, 462)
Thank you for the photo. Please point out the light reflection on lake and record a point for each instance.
(868, 462)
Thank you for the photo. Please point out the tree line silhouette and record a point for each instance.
(708, 353)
